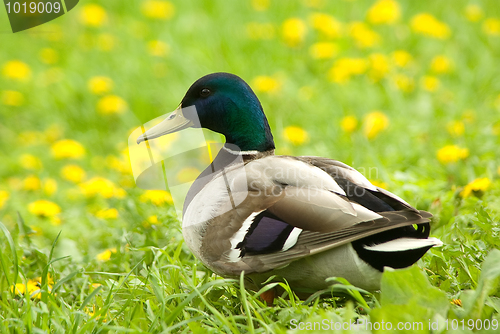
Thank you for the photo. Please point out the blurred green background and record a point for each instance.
(408, 92)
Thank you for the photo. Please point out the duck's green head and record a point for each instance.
(223, 103)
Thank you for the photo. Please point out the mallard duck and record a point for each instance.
(303, 219)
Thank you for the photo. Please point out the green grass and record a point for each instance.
(152, 283)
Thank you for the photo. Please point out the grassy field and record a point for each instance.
(407, 92)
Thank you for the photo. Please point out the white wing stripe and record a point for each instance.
(404, 244)
(292, 239)
(238, 236)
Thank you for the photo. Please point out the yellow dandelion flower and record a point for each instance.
(404, 83)
(19, 288)
(491, 26)
(401, 58)
(152, 220)
(73, 173)
(379, 184)
(119, 193)
(455, 128)
(261, 5)
(44, 208)
(339, 74)
(374, 123)
(111, 104)
(344, 68)
(100, 85)
(32, 183)
(294, 32)
(50, 280)
(48, 56)
(441, 64)
(106, 42)
(120, 165)
(384, 12)
(323, 50)
(4, 196)
(430, 83)
(16, 70)
(158, 48)
(157, 197)
(111, 213)
(379, 66)
(427, 25)
(476, 187)
(188, 174)
(102, 187)
(354, 65)
(32, 287)
(473, 13)
(363, 35)
(326, 24)
(67, 149)
(157, 9)
(349, 123)
(451, 153)
(266, 84)
(263, 31)
(29, 161)
(92, 311)
(93, 15)
(106, 255)
(295, 135)
(49, 186)
(12, 98)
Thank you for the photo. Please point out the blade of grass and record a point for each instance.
(12, 247)
(244, 302)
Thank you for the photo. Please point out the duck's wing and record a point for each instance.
(298, 207)
(353, 182)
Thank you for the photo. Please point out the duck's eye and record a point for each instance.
(205, 92)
